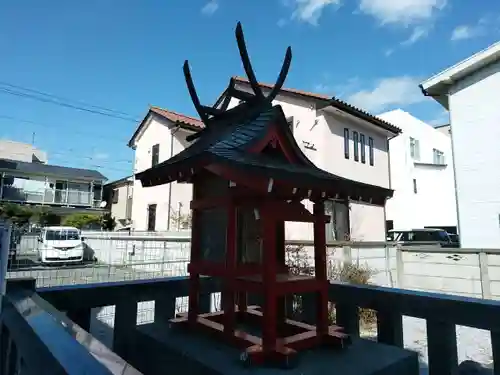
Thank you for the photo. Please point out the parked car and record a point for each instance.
(60, 245)
(416, 236)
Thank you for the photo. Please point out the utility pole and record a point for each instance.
(33, 139)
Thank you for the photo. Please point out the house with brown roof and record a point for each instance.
(334, 135)
(159, 136)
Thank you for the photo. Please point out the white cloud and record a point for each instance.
(482, 27)
(210, 8)
(100, 156)
(282, 22)
(402, 12)
(310, 10)
(441, 118)
(388, 52)
(388, 92)
(462, 32)
(418, 33)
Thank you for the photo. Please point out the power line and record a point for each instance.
(17, 119)
(64, 98)
(64, 104)
(70, 153)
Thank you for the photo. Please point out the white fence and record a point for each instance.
(468, 272)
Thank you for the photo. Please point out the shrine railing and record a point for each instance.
(38, 346)
(36, 338)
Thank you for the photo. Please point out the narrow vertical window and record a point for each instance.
(151, 217)
(289, 121)
(363, 148)
(155, 155)
(370, 150)
(355, 140)
(346, 143)
(415, 186)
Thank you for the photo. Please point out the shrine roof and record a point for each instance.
(228, 144)
(234, 143)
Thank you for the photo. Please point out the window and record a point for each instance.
(414, 149)
(289, 121)
(363, 148)
(115, 196)
(438, 157)
(151, 217)
(338, 227)
(370, 151)
(346, 143)
(415, 186)
(355, 140)
(62, 235)
(155, 155)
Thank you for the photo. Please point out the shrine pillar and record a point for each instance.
(228, 293)
(320, 267)
(194, 277)
(269, 274)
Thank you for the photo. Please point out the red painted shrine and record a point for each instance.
(249, 176)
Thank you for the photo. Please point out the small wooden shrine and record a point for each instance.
(249, 176)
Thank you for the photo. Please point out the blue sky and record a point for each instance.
(125, 55)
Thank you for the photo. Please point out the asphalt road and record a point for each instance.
(27, 265)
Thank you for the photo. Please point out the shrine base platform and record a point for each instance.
(173, 351)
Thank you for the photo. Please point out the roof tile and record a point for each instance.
(342, 105)
(178, 117)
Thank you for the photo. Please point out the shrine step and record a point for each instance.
(197, 354)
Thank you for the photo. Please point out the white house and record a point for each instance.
(334, 135)
(118, 197)
(469, 91)
(421, 175)
(160, 135)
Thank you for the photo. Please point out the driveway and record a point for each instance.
(27, 265)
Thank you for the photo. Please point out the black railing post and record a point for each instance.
(124, 327)
(165, 307)
(204, 302)
(347, 317)
(442, 348)
(495, 349)
(390, 328)
(308, 306)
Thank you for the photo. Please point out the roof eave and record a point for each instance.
(439, 83)
(334, 102)
(352, 111)
(182, 125)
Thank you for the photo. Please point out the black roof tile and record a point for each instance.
(40, 169)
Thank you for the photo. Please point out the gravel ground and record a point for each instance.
(473, 344)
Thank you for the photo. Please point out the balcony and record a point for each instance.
(50, 197)
(38, 339)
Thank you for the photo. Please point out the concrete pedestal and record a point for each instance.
(162, 350)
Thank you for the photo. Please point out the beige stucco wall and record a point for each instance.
(160, 131)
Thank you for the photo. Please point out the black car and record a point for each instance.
(409, 237)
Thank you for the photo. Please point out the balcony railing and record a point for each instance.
(50, 196)
(27, 325)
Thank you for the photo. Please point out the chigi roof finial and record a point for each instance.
(208, 113)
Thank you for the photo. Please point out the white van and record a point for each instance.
(60, 245)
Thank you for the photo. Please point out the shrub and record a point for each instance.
(297, 260)
(81, 220)
(353, 274)
(108, 222)
(46, 217)
(18, 214)
(299, 263)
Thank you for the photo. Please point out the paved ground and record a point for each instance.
(27, 265)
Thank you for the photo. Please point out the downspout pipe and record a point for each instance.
(169, 209)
